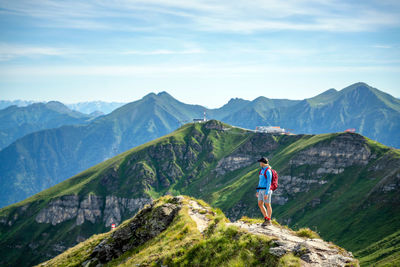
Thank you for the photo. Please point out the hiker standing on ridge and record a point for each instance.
(264, 191)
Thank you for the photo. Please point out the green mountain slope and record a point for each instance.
(16, 122)
(385, 252)
(334, 183)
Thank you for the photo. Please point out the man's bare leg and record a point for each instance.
(262, 208)
(269, 210)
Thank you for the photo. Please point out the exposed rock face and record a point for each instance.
(89, 209)
(232, 163)
(331, 157)
(115, 207)
(148, 223)
(236, 211)
(343, 151)
(312, 252)
(59, 210)
(260, 144)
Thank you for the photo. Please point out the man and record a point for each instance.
(264, 192)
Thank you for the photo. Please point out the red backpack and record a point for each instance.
(274, 182)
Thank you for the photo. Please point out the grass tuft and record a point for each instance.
(308, 233)
(289, 260)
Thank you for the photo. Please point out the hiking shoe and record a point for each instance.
(266, 223)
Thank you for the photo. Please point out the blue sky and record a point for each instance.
(202, 52)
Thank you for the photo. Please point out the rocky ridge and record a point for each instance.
(155, 218)
(312, 252)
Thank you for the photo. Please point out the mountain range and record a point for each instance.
(19, 103)
(42, 159)
(88, 107)
(343, 185)
(16, 122)
(371, 112)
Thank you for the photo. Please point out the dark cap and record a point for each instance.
(263, 160)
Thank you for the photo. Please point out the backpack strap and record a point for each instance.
(265, 173)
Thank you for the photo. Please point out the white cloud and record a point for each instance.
(382, 46)
(10, 51)
(237, 16)
(163, 52)
(199, 69)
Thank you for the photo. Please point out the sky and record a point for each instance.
(200, 52)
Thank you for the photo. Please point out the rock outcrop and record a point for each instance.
(90, 208)
(332, 157)
(232, 163)
(59, 210)
(311, 166)
(148, 223)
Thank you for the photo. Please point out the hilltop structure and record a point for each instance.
(270, 129)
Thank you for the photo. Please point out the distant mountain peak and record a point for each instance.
(149, 95)
(163, 93)
(360, 84)
(357, 86)
(61, 108)
(159, 95)
(57, 104)
(260, 98)
(235, 100)
(331, 90)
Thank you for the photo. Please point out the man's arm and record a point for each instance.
(269, 179)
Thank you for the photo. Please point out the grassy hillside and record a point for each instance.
(385, 252)
(333, 183)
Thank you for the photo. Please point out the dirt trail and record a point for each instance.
(198, 214)
(313, 252)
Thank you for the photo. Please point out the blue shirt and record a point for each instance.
(265, 182)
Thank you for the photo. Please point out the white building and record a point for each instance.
(270, 129)
(201, 120)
